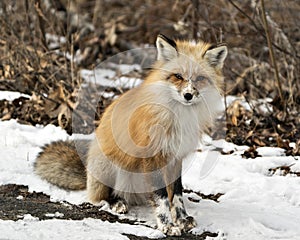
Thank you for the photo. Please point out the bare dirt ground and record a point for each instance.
(16, 201)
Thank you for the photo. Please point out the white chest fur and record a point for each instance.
(185, 131)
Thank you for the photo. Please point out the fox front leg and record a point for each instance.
(162, 208)
(178, 212)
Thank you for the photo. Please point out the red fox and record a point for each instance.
(144, 135)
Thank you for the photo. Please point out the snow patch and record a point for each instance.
(10, 95)
(108, 78)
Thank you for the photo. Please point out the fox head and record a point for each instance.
(189, 68)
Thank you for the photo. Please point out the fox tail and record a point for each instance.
(62, 163)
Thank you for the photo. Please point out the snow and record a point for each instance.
(56, 215)
(54, 41)
(255, 205)
(32, 228)
(10, 95)
(108, 78)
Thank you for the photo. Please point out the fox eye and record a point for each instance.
(178, 76)
(200, 78)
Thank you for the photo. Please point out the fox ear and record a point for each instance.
(166, 48)
(216, 56)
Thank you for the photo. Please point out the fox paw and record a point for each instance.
(186, 224)
(120, 207)
(170, 229)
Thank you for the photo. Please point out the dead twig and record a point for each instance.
(271, 52)
(259, 30)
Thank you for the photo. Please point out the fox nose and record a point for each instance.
(188, 96)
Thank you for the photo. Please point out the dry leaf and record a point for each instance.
(64, 116)
(234, 120)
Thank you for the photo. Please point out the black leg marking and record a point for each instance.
(178, 186)
(179, 214)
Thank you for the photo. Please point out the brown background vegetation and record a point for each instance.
(31, 63)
